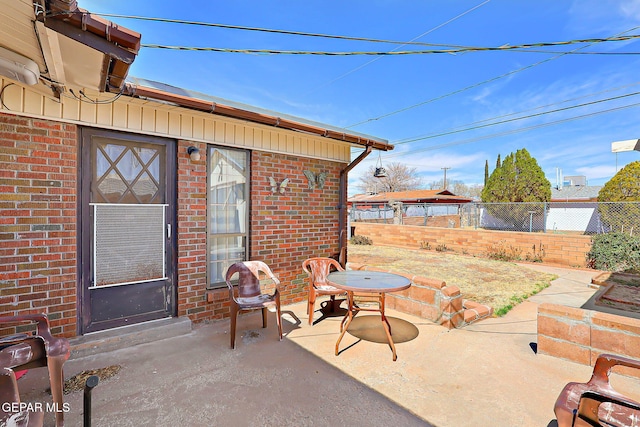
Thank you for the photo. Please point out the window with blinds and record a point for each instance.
(228, 192)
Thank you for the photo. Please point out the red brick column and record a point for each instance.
(192, 235)
(38, 201)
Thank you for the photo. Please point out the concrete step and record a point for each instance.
(127, 336)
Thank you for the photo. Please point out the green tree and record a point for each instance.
(498, 162)
(486, 172)
(519, 179)
(623, 187)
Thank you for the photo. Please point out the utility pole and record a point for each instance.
(444, 184)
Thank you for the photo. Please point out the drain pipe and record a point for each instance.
(342, 224)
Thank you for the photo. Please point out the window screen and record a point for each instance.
(128, 244)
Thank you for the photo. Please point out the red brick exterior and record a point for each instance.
(38, 223)
(567, 250)
(285, 228)
(38, 186)
(192, 232)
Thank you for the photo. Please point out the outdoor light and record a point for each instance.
(380, 171)
(194, 153)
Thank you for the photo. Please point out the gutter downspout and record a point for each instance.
(342, 223)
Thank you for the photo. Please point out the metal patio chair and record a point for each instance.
(318, 269)
(596, 403)
(25, 351)
(250, 295)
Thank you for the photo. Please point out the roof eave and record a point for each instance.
(252, 116)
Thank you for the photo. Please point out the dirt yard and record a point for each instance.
(498, 284)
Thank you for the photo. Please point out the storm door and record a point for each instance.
(127, 229)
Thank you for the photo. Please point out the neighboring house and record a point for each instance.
(438, 208)
(125, 200)
(406, 197)
(575, 193)
(574, 207)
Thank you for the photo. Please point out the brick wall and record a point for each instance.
(288, 228)
(285, 228)
(582, 335)
(568, 250)
(38, 223)
(192, 237)
(38, 174)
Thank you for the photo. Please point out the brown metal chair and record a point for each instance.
(250, 296)
(318, 269)
(24, 351)
(9, 395)
(596, 403)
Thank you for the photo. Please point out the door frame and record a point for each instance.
(84, 238)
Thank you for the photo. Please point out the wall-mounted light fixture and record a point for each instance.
(194, 153)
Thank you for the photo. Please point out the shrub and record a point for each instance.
(536, 254)
(442, 248)
(615, 252)
(425, 245)
(361, 240)
(501, 252)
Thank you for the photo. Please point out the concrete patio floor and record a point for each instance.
(486, 374)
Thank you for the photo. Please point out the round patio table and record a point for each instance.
(371, 285)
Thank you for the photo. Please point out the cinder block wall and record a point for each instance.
(568, 250)
(286, 229)
(582, 335)
(38, 186)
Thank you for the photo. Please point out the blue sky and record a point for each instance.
(446, 92)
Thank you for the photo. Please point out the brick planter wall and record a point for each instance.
(428, 298)
(38, 190)
(582, 335)
(567, 250)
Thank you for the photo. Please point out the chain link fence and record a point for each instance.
(551, 217)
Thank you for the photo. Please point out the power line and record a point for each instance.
(403, 44)
(510, 132)
(474, 85)
(286, 32)
(393, 52)
(462, 127)
(457, 48)
(405, 141)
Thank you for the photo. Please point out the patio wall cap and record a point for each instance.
(415, 280)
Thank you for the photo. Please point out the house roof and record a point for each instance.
(411, 196)
(74, 49)
(70, 46)
(148, 89)
(575, 193)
